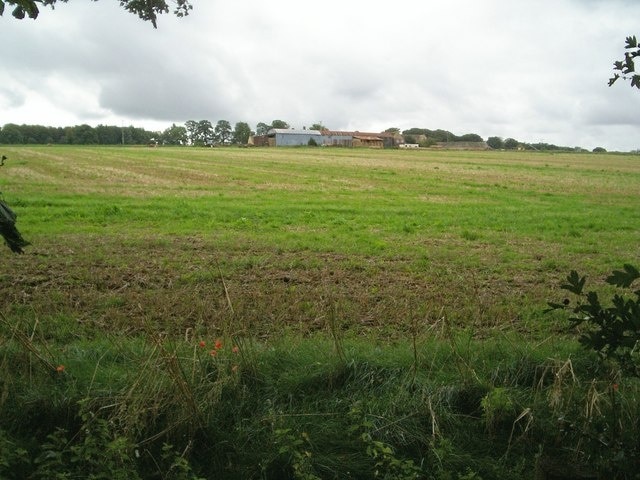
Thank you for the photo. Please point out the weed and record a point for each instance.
(95, 452)
(179, 467)
(296, 450)
(499, 408)
(15, 462)
(386, 464)
(601, 423)
(613, 331)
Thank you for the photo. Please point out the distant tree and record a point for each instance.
(441, 135)
(11, 134)
(138, 136)
(147, 10)
(175, 135)
(241, 133)
(35, 134)
(77, 135)
(627, 66)
(192, 130)
(222, 133)
(204, 133)
(108, 135)
(318, 126)
(81, 135)
(495, 142)
(312, 142)
(470, 137)
(392, 130)
(548, 147)
(511, 144)
(262, 128)
(57, 134)
(279, 124)
(599, 150)
(416, 131)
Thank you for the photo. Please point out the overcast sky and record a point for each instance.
(534, 70)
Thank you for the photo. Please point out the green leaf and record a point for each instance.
(554, 306)
(613, 79)
(624, 278)
(631, 42)
(575, 283)
(18, 13)
(630, 66)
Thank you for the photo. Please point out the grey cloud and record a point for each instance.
(493, 68)
(603, 111)
(11, 98)
(147, 97)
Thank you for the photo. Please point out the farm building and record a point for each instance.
(361, 139)
(332, 138)
(282, 137)
(258, 141)
(367, 140)
(390, 139)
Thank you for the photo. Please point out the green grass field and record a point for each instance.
(122, 235)
(380, 314)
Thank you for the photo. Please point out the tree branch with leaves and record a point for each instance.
(627, 67)
(8, 230)
(147, 10)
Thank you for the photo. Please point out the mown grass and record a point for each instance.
(487, 236)
(386, 305)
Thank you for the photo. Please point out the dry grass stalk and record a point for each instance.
(28, 344)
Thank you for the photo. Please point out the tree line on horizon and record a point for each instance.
(193, 132)
(205, 133)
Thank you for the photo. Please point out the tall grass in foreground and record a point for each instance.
(446, 406)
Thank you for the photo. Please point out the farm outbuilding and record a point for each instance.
(283, 137)
(367, 140)
(332, 138)
(361, 139)
(258, 141)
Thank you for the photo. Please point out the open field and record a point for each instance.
(124, 236)
(311, 314)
